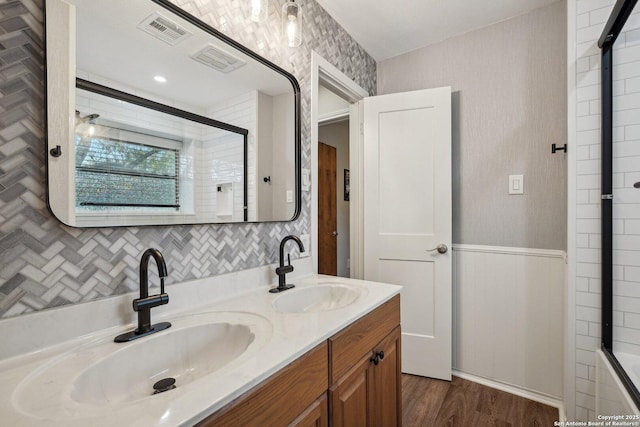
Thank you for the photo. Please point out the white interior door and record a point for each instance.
(407, 205)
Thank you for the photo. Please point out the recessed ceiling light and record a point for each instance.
(160, 79)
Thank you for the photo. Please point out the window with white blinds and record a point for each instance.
(115, 174)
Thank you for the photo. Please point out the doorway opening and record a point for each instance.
(333, 184)
(335, 109)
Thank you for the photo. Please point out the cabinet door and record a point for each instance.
(315, 415)
(386, 392)
(350, 397)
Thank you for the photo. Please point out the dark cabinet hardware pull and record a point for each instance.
(378, 357)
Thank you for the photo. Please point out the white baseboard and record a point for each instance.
(527, 394)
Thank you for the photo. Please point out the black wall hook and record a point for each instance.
(267, 178)
(56, 152)
(555, 148)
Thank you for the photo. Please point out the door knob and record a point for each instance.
(441, 248)
(334, 234)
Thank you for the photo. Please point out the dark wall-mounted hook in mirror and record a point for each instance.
(56, 152)
(267, 178)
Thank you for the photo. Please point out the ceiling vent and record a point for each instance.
(216, 58)
(163, 29)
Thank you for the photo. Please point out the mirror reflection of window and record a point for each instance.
(131, 160)
(113, 173)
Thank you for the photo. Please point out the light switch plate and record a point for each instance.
(289, 196)
(516, 184)
(306, 179)
(306, 242)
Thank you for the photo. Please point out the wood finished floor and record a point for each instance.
(462, 403)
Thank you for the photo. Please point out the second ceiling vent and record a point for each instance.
(217, 58)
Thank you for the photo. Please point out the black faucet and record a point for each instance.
(284, 269)
(145, 303)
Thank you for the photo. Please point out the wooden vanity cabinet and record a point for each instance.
(295, 391)
(316, 415)
(366, 370)
(352, 379)
(387, 383)
(350, 405)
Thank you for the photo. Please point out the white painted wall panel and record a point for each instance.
(508, 311)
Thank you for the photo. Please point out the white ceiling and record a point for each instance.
(389, 28)
(109, 45)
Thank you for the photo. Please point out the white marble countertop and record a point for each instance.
(280, 339)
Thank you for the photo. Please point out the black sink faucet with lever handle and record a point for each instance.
(145, 303)
(284, 269)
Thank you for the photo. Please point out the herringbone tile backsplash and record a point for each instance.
(45, 264)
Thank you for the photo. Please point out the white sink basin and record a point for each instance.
(324, 297)
(183, 354)
(105, 373)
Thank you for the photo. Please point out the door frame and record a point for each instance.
(323, 72)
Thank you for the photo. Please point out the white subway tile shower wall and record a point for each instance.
(626, 199)
(45, 264)
(591, 16)
(240, 111)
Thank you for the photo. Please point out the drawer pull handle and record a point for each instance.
(379, 356)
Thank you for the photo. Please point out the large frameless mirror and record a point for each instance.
(153, 117)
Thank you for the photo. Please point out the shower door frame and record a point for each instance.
(619, 15)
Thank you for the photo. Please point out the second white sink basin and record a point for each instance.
(317, 298)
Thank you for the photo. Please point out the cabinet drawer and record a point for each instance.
(316, 415)
(282, 397)
(348, 346)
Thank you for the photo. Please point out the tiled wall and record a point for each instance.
(626, 198)
(135, 115)
(45, 264)
(590, 17)
(227, 149)
(221, 163)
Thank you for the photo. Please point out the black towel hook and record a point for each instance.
(555, 148)
(56, 152)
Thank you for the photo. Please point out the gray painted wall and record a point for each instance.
(509, 106)
(44, 264)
